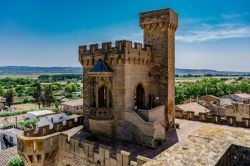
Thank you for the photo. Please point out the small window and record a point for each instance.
(11, 139)
(30, 158)
(39, 157)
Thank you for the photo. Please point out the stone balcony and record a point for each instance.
(101, 113)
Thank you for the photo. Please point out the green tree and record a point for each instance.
(38, 94)
(209, 86)
(48, 96)
(15, 161)
(1, 91)
(9, 98)
(71, 87)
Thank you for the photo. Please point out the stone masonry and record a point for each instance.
(128, 94)
(121, 79)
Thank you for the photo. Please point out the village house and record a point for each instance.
(73, 106)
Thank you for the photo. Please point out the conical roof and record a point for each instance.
(101, 66)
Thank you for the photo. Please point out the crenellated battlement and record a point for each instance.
(212, 118)
(101, 154)
(122, 50)
(57, 127)
(56, 149)
(159, 19)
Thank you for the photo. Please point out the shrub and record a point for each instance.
(15, 161)
(6, 114)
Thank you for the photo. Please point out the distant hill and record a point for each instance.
(27, 70)
(208, 72)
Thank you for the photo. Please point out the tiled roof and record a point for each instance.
(195, 107)
(41, 112)
(243, 95)
(6, 154)
(78, 102)
(101, 66)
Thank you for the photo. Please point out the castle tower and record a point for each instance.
(159, 33)
(125, 84)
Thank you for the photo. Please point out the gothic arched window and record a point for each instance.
(140, 96)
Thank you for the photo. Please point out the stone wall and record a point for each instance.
(134, 128)
(38, 151)
(213, 118)
(235, 155)
(57, 150)
(239, 110)
(73, 109)
(101, 127)
(57, 127)
(156, 114)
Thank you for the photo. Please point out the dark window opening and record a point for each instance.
(102, 97)
(140, 96)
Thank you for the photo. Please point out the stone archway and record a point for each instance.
(140, 96)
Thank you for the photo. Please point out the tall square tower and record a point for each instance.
(159, 33)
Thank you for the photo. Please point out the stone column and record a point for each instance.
(96, 96)
(107, 97)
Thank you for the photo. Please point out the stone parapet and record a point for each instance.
(56, 150)
(158, 19)
(57, 127)
(122, 52)
(92, 154)
(213, 118)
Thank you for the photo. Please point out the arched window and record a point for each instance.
(140, 96)
(102, 97)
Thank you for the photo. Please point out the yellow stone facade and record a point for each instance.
(137, 78)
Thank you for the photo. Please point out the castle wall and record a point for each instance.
(38, 151)
(101, 127)
(135, 75)
(218, 119)
(57, 150)
(239, 110)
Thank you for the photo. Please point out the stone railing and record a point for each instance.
(150, 130)
(156, 114)
(56, 149)
(212, 118)
(57, 127)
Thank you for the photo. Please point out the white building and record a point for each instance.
(8, 137)
(50, 119)
(73, 106)
(39, 114)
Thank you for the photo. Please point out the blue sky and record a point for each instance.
(212, 34)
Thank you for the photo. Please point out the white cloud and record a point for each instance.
(230, 16)
(217, 33)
